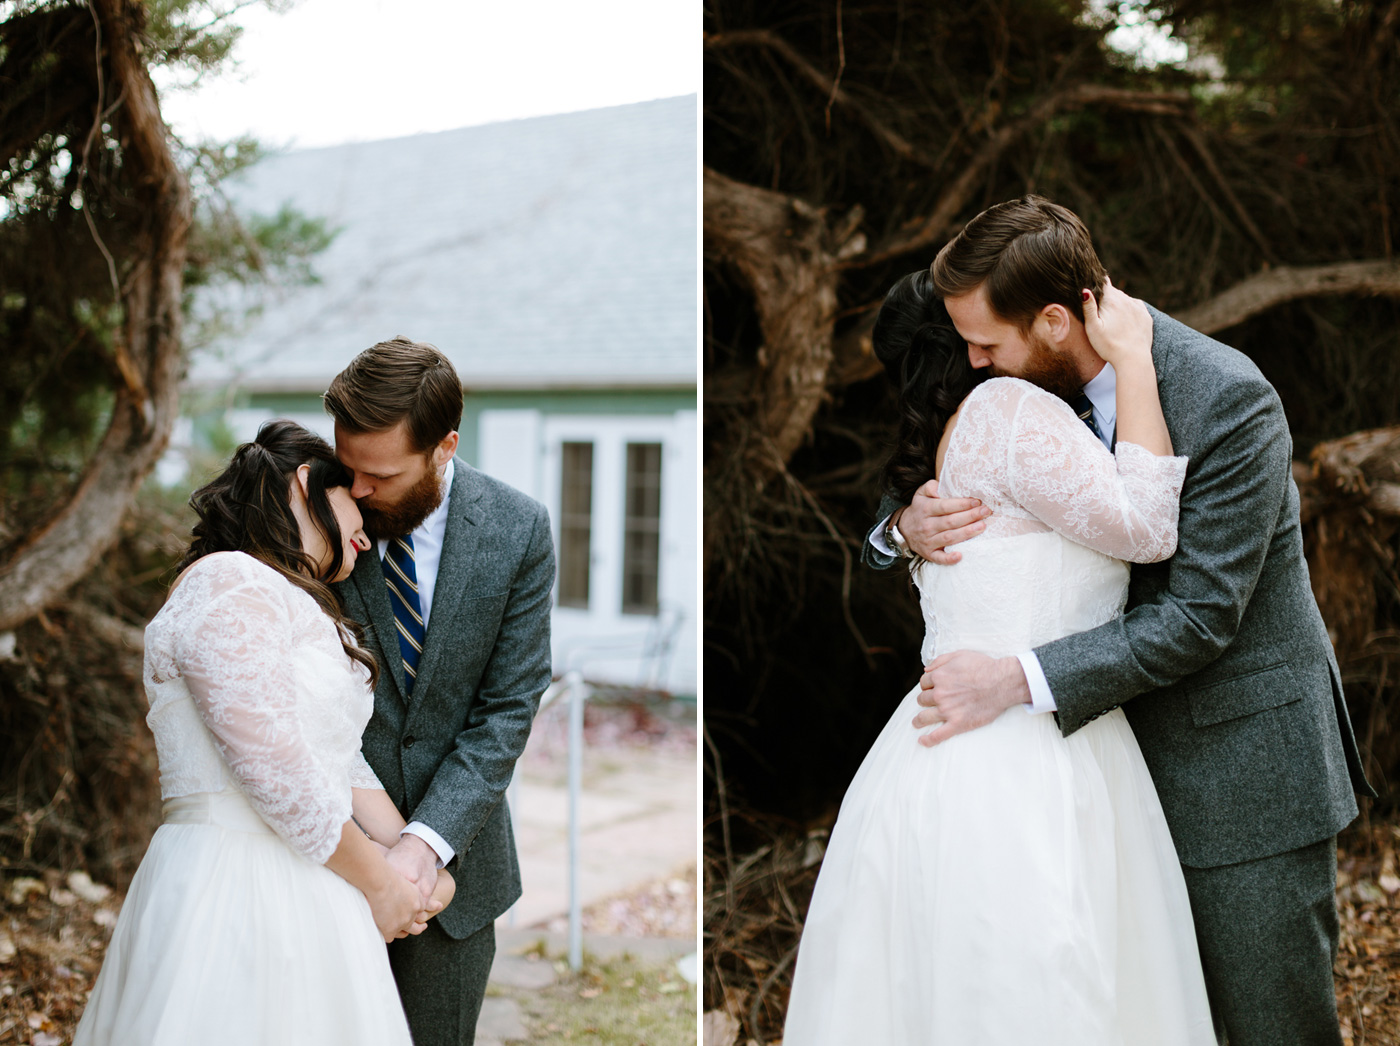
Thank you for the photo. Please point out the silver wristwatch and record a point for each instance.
(896, 539)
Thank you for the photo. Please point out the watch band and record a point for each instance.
(895, 538)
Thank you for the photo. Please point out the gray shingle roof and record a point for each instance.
(558, 251)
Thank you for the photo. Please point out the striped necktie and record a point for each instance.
(401, 575)
(1085, 409)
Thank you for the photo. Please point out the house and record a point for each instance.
(554, 260)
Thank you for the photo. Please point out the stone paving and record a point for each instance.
(638, 823)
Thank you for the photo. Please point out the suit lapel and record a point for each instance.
(368, 577)
(455, 569)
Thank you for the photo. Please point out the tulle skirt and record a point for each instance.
(228, 936)
(1008, 886)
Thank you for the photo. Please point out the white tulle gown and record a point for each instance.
(233, 931)
(1012, 886)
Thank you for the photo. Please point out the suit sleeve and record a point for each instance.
(869, 554)
(1235, 489)
(472, 778)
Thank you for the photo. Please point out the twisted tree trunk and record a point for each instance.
(148, 348)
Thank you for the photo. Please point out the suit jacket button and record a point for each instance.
(408, 741)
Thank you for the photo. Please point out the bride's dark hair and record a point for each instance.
(247, 508)
(923, 353)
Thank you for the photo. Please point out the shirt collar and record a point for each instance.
(434, 527)
(1102, 390)
(436, 523)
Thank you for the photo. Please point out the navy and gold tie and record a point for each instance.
(401, 575)
(1085, 409)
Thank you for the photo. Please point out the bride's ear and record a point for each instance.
(303, 480)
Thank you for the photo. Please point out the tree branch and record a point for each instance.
(1273, 287)
(955, 197)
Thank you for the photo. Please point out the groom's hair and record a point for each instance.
(398, 380)
(1029, 253)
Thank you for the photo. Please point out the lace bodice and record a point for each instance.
(1066, 514)
(249, 686)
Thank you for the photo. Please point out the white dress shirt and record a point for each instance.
(1102, 390)
(427, 555)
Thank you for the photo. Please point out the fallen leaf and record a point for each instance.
(95, 893)
(22, 887)
(720, 1029)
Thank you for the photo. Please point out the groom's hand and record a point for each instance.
(416, 861)
(961, 691)
(931, 523)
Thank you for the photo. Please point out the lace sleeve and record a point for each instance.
(361, 776)
(1123, 504)
(235, 658)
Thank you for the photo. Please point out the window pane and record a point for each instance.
(575, 523)
(641, 546)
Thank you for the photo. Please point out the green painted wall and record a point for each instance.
(602, 401)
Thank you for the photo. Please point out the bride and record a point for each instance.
(1009, 885)
(261, 908)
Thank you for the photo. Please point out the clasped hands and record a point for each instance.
(416, 891)
(960, 690)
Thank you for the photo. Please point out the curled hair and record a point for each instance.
(1029, 253)
(247, 508)
(399, 380)
(923, 353)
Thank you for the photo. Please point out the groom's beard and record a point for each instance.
(1052, 371)
(404, 515)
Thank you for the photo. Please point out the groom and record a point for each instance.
(456, 606)
(1222, 663)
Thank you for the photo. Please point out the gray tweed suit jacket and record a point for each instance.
(1222, 662)
(446, 755)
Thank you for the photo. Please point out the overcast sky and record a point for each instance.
(332, 71)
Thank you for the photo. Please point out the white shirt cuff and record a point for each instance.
(445, 853)
(877, 538)
(1041, 699)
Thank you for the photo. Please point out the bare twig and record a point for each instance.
(840, 67)
(835, 93)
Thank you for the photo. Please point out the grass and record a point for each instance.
(613, 1002)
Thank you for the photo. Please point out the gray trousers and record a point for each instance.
(1267, 932)
(442, 982)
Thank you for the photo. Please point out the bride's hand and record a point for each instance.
(1119, 326)
(394, 906)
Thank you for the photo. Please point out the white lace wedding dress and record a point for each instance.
(1012, 886)
(233, 931)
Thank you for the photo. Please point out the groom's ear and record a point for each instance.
(443, 452)
(1056, 323)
